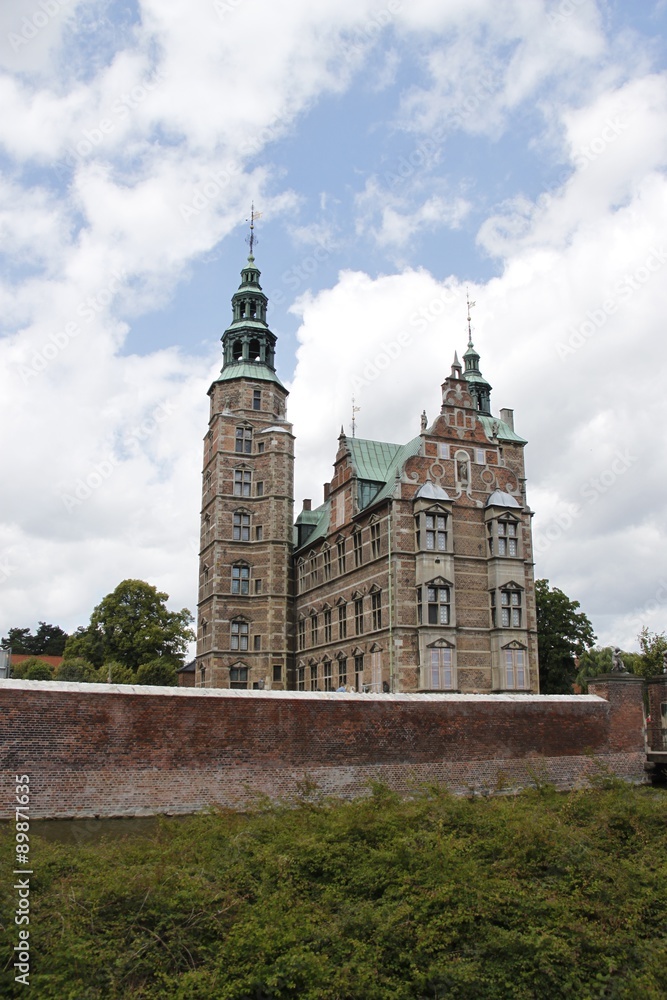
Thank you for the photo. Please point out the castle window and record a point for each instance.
(259, 533)
(376, 608)
(480, 456)
(359, 615)
(376, 671)
(341, 556)
(238, 677)
(507, 538)
(441, 674)
(255, 347)
(301, 633)
(241, 579)
(241, 527)
(510, 608)
(328, 675)
(327, 563)
(239, 635)
(443, 451)
(313, 677)
(327, 625)
(260, 447)
(375, 539)
(438, 605)
(342, 621)
(359, 672)
(312, 564)
(436, 532)
(257, 643)
(243, 440)
(356, 541)
(313, 629)
(277, 673)
(237, 350)
(258, 586)
(242, 482)
(342, 671)
(515, 669)
(301, 678)
(204, 628)
(260, 489)
(205, 571)
(257, 399)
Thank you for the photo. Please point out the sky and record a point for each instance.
(400, 154)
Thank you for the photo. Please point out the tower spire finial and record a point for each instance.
(251, 240)
(470, 306)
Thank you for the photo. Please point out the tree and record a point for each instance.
(160, 672)
(653, 646)
(563, 632)
(132, 625)
(48, 640)
(33, 669)
(594, 662)
(76, 669)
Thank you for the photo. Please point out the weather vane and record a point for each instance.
(355, 410)
(251, 240)
(470, 306)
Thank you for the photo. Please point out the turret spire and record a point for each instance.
(479, 388)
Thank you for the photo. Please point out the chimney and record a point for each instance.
(327, 491)
(507, 417)
(307, 504)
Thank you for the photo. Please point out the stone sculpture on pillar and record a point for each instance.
(617, 665)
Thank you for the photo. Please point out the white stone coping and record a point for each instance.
(190, 692)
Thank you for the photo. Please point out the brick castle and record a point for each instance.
(414, 574)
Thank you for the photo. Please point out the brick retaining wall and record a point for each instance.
(118, 750)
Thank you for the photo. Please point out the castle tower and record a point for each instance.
(244, 627)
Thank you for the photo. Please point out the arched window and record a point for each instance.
(237, 348)
(255, 350)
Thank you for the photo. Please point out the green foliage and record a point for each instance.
(160, 671)
(33, 669)
(563, 632)
(75, 669)
(114, 672)
(653, 646)
(132, 626)
(48, 640)
(541, 895)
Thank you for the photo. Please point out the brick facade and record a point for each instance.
(114, 750)
(414, 574)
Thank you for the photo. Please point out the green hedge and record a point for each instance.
(537, 897)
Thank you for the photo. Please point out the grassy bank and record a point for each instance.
(541, 896)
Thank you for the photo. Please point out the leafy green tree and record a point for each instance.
(131, 626)
(33, 669)
(75, 669)
(563, 632)
(594, 662)
(161, 672)
(114, 672)
(653, 646)
(48, 640)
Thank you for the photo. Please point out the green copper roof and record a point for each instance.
(319, 517)
(372, 459)
(503, 431)
(248, 369)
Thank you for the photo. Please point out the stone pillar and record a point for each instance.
(657, 709)
(625, 694)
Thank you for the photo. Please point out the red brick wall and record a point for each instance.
(91, 750)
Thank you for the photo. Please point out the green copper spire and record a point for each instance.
(248, 345)
(479, 388)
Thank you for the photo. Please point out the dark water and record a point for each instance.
(90, 831)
